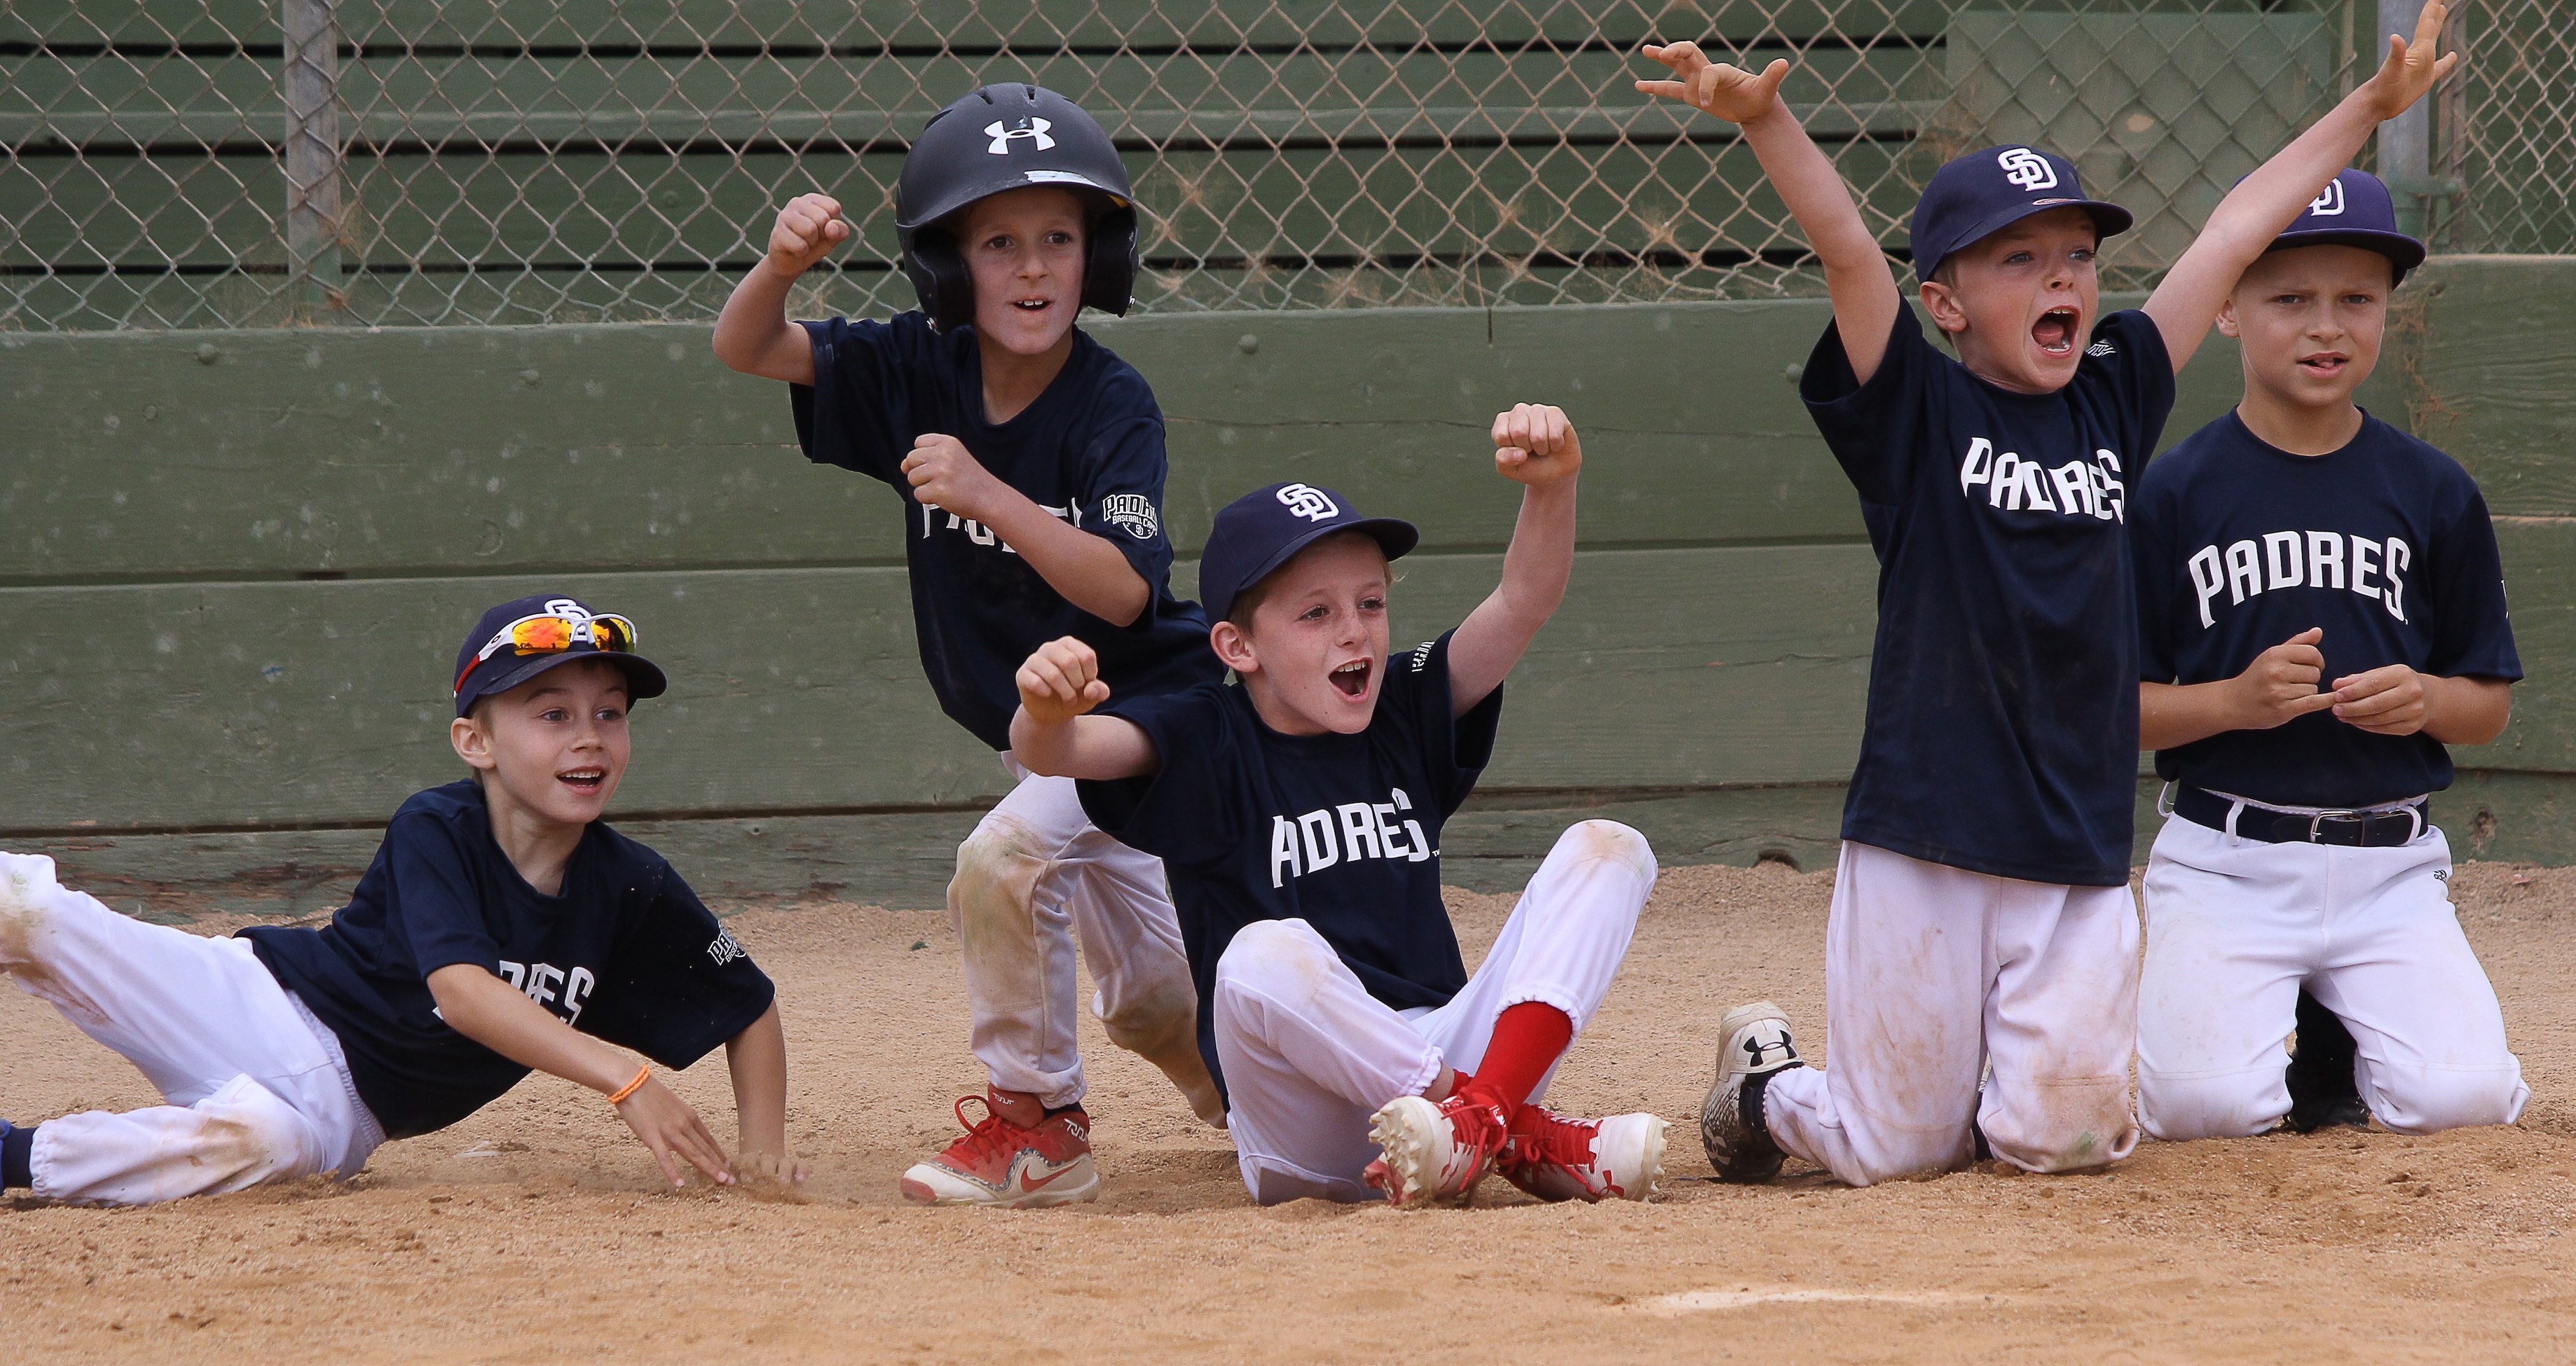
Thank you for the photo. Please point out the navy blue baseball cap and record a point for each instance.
(1261, 530)
(1985, 192)
(524, 637)
(2354, 210)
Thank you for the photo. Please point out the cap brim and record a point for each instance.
(1393, 535)
(2109, 220)
(643, 678)
(2402, 251)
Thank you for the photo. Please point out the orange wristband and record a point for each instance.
(619, 1096)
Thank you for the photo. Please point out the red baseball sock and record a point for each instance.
(1528, 1039)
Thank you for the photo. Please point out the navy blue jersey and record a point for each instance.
(2003, 705)
(1089, 450)
(624, 952)
(2385, 544)
(1341, 831)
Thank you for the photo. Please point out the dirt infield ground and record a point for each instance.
(534, 1232)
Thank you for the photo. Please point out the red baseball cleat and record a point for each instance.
(1434, 1153)
(1619, 1158)
(999, 1165)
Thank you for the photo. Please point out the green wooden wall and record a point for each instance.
(234, 567)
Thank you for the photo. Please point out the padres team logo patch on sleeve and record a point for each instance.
(1132, 511)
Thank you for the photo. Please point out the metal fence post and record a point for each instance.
(311, 81)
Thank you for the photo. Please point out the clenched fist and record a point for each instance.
(807, 230)
(1061, 681)
(945, 475)
(1534, 444)
(1729, 92)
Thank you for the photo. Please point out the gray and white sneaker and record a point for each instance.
(1756, 1045)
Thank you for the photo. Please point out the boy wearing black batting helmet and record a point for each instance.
(1300, 813)
(2320, 611)
(502, 928)
(1030, 464)
(1981, 921)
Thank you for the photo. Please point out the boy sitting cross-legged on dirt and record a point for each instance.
(1981, 953)
(502, 927)
(1299, 813)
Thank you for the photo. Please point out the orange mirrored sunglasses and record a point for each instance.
(547, 633)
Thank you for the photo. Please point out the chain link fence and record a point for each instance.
(190, 163)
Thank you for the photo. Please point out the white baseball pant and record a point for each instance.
(1035, 875)
(2236, 926)
(1309, 1055)
(257, 1088)
(1934, 975)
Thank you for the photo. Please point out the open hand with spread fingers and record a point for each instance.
(1534, 444)
(807, 230)
(1729, 92)
(2412, 68)
(1061, 681)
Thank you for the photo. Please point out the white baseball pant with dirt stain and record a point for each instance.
(1936, 976)
(1309, 1055)
(1035, 876)
(257, 1088)
(2236, 926)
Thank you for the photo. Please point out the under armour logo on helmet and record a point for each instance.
(2329, 204)
(1036, 129)
(1309, 502)
(2027, 168)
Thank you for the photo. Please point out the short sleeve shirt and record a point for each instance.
(624, 952)
(2384, 544)
(1341, 831)
(2003, 711)
(1089, 450)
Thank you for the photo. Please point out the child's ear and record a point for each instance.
(1942, 302)
(1233, 648)
(2226, 320)
(473, 745)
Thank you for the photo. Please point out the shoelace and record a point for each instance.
(1565, 1142)
(990, 1135)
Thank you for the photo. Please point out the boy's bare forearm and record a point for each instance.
(1088, 571)
(1536, 568)
(1857, 275)
(500, 1017)
(2171, 715)
(1100, 748)
(757, 1058)
(753, 334)
(2467, 711)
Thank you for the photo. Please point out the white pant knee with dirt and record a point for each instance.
(2236, 926)
(257, 1089)
(1309, 1055)
(1035, 877)
(1936, 977)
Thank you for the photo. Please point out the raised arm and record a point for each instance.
(753, 334)
(1535, 445)
(500, 1017)
(2264, 203)
(1053, 735)
(1856, 271)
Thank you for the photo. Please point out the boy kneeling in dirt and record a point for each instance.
(1298, 815)
(503, 927)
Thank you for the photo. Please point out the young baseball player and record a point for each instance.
(1981, 921)
(502, 928)
(1300, 813)
(1030, 465)
(2295, 540)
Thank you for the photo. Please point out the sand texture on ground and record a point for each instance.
(535, 1231)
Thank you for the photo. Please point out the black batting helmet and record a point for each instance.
(1007, 137)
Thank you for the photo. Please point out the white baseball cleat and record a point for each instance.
(1618, 1158)
(1435, 1152)
(1731, 1125)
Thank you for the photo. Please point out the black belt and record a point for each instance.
(2352, 829)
